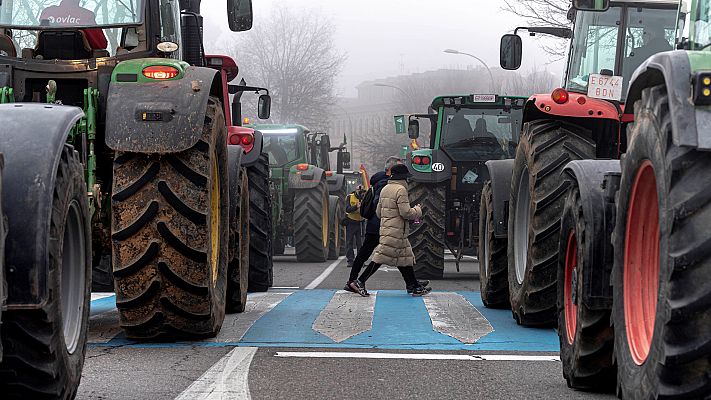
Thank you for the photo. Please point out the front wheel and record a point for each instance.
(238, 267)
(493, 264)
(311, 225)
(261, 263)
(427, 237)
(335, 234)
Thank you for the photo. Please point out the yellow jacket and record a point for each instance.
(353, 204)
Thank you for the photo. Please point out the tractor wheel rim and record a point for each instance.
(214, 223)
(523, 200)
(641, 265)
(73, 277)
(324, 220)
(571, 309)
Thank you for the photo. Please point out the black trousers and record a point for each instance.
(408, 274)
(353, 239)
(366, 250)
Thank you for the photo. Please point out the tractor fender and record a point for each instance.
(430, 174)
(590, 176)
(251, 158)
(336, 184)
(673, 69)
(34, 136)
(160, 117)
(500, 175)
(308, 179)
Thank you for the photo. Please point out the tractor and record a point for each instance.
(448, 177)
(132, 162)
(584, 120)
(633, 298)
(308, 196)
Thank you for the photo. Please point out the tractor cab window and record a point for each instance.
(594, 49)
(282, 149)
(480, 133)
(702, 26)
(34, 14)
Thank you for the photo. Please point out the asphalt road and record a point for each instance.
(277, 350)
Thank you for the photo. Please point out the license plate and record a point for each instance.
(484, 98)
(605, 87)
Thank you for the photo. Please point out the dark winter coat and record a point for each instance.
(395, 213)
(377, 182)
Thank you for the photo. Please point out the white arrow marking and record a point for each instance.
(236, 325)
(454, 316)
(226, 380)
(346, 315)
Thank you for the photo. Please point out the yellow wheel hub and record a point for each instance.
(214, 222)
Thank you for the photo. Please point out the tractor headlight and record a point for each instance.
(702, 88)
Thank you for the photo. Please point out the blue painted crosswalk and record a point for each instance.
(398, 322)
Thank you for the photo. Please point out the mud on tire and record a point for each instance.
(677, 362)
(170, 237)
(261, 264)
(545, 148)
(44, 349)
(493, 263)
(311, 224)
(427, 238)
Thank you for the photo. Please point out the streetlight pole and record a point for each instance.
(403, 91)
(491, 76)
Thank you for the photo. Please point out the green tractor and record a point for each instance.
(308, 197)
(114, 137)
(448, 177)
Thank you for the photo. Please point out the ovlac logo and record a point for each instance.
(438, 167)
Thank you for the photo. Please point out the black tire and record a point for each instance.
(311, 224)
(3, 236)
(238, 267)
(39, 363)
(170, 236)
(279, 245)
(102, 276)
(546, 147)
(427, 237)
(678, 362)
(493, 262)
(587, 344)
(335, 213)
(261, 264)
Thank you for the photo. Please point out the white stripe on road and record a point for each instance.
(454, 316)
(99, 296)
(346, 315)
(410, 356)
(226, 380)
(314, 284)
(236, 325)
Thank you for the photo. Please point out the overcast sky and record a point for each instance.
(390, 37)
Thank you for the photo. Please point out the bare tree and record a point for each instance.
(292, 53)
(543, 13)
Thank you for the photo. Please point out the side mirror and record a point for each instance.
(591, 5)
(240, 15)
(326, 143)
(264, 107)
(413, 129)
(511, 50)
(344, 160)
(400, 125)
(168, 20)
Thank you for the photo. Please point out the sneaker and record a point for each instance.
(420, 291)
(359, 288)
(425, 284)
(348, 288)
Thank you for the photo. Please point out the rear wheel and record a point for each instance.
(335, 213)
(535, 207)
(311, 224)
(662, 305)
(238, 267)
(586, 337)
(44, 349)
(427, 238)
(170, 237)
(493, 264)
(261, 264)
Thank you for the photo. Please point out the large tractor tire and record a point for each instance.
(170, 237)
(261, 264)
(427, 237)
(279, 245)
(44, 348)
(335, 234)
(311, 224)
(535, 208)
(661, 297)
(586, 337)
(493, 263)
(238, 266)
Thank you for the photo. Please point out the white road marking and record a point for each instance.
(410, 356)
(226, 380)
(99, 296)
(346, 315)
(454, 316)
(285, 287)
(236, 325)
(314, 284)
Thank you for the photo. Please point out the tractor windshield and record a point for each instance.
(644, 31)
(282, 149)
(52, 14)
(480, 133)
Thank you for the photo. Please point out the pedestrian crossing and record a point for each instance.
(388, 319)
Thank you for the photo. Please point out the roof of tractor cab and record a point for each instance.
(469, 100)
(281, 129)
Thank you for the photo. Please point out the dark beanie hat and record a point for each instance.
(399, 172)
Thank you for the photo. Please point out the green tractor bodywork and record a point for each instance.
(300, 162)
(448, 176)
